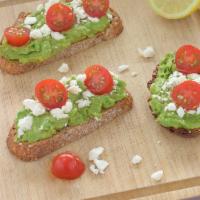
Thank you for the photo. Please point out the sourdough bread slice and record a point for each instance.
(180, 131)
(34, 151)
(114, 29)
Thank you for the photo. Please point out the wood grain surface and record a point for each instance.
(134, 133)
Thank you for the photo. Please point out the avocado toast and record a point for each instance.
(65, 111)
(175, 92)
(44, 45)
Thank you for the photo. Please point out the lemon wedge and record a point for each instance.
(174, 9)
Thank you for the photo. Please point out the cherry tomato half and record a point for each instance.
(67, 166)
(51, 93)
(60, 17)
(96, 8)
(188, 59)
(98, 80)
(187, 95)
(17, 36)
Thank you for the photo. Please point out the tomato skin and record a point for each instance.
(188, 59)
(187, 95)
(51, 93)
(96, 8)
(67, 166)
(60, 17)
(98, 80)
(17, 36)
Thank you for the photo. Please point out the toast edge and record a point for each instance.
(31, 152)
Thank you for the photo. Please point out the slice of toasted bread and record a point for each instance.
(34, 151)
(179, 131)
(114, 29)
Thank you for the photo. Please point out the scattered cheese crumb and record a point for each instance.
(171, 107)
(67, 108)
(101, 165)
(82, 103)
(147, 52)
(81, 77)
(45, 30)
(95, 153)
(36, 34)
(57, 35)
(93, 19)
(74, 89)
(134, 74)
(122, 68)
(64, 68)
(58, 113)
(24, 124)
(110, 17)
(40, 7)
(87, 94)
(30, 20)
(136, 159)
(180, 111)
(36, 107)
(94, 169)
(157, 176)
(64, 80)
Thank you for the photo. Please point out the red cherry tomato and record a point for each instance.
(188, 59)
(17, 36)
(98, 80)
(51, 93)
(187, 95)
(60, 17)
(96, 8)
(67, 166)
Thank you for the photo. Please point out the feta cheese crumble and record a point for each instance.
(147, 52)
(122, 68)
(36, 107)
(171, 107)
(95, 153)
(101, 165)
(136, 159)
(82, 103)
(24, 124)
(157, 176)
(36, 34)
(94, 169)
(81, 77)
(181, 112)
(57, 36)
(67, 108)
(87, 94)
(30, 20)
(64, 68)
(58, 113)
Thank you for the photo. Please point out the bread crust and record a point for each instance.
(114, 29)
(34, 151)
(179, 131)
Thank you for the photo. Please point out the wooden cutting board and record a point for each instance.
(134, 133)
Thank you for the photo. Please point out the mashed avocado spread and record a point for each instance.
(160, 97)
(45, 126)
(38, 50)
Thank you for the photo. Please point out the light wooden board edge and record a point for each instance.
(155, 189)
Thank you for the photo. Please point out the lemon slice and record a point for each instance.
(174, 9)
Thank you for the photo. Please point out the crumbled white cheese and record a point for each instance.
(181, 112)
(87, 94)
(57, 35)
(45, 30)
(93, 19)
(49, 3)
(95, 153)
(36, 107)
(36, 34)
(67, 108)
(30, 20)
(198, 110)
(82, 103)
(24, 124)
(64, 68)
(162, 99)
(74, 89)
(171, 107)
(20, 132)
(81, 77)
(80, 14)
(192, 112)
(58, 113)
(147, 52)
(157, 176)
(110, 17)
(134, 74)
(136, 159)
(64, 80)
(114, 75)
(101, 165)
(40, 7)
(73, 83)
(122, 68)
(94, 169)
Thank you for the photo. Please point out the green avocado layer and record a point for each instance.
(38, 50)
(160, 98)
(45, 126)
